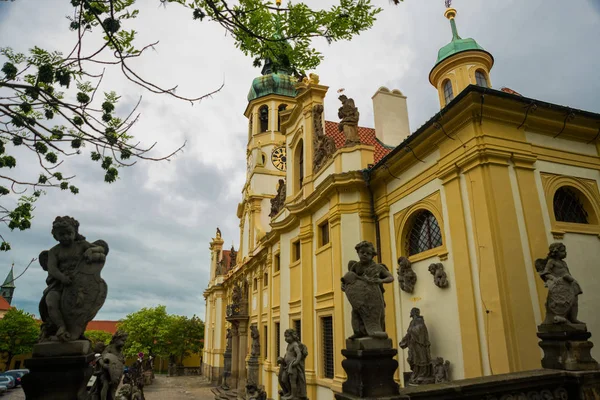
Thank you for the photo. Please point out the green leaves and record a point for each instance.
(96, 336)
(19, 330)
(152, 330)
(10, 71)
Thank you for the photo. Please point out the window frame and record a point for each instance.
(324, 233)
(263, 122)
(327, 354)
(296, 252)
(448, 97)
(483, 75)
(411, 226)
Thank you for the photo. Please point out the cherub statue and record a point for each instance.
(292, 376)
(440, 279)
(255, 392)
(348, 114)
(406, 276)
(255, 350)
(363, 285)
(441, 370)
(109, 369)
(562, 303)
(75, 291)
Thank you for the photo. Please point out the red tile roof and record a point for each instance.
(4, 306)
(366, 135)
(107, 326)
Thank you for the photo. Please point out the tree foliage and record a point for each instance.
(19, 331)
(53, 105)
(185, 337)
(147, 329)
(96, 336)
(153, 331)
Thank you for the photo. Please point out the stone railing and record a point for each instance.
(527, 385)
(237, 311)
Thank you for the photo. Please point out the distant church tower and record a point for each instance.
(8, 287)
(460, 63)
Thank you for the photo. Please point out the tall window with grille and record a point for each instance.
(277, 339)
(568, 206)
(327, 331)
(277, 262)
(424, 233)
(481, 79)
(298, 327)
(266, 342)
(324, 233)
(448, 93)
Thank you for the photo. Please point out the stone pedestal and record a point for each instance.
(566, 346)
(253, 371)
(370, 367)
(58, 371)
(226, 369)
(243, 352)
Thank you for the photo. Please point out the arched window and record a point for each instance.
(263, 114)
(481, 79)
(568, 206)
(448, 93)
(280, 109)
(424, 233)
(298, 166)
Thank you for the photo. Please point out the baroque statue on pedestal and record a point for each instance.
(563, 290)
(419, 356)
(292, 375)
(75, 291)
(109, 369)
(363, 285)
(348, 114)
(255, 349)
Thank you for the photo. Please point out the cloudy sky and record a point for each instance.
(158, 218)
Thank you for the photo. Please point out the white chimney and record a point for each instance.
(391, 116)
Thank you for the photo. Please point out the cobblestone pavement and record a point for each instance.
(179, 387)
(13, 394)
(163, 388)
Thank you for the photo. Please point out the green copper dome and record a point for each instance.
(457, 45)
(272, 83)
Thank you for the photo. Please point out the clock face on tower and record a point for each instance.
(278, 158)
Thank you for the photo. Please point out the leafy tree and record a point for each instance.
(148, 329)
(52, 106)
(96, 336)
(185, 336)
(19, 331)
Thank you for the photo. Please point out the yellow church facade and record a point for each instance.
(483, 188)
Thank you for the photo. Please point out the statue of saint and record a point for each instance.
(292, 377)
(419, 357)
(255, 350)
(562, 303)
(109, 369)
(75, 291)
(363, 285)
(228, 336)
(236, 296)
(348, 114)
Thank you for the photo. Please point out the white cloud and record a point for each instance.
(159, 217)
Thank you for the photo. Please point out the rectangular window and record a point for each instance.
(278, 339)
(266, 348)
(296, 247)
(327, 330)
(324, 233)
(298, 327)
(277, 263)
(255, 284)
(266, 279)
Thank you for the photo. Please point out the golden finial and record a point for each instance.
(278, 2)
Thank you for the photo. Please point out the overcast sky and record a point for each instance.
(158, 218)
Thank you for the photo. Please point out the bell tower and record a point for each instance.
(460, 63)
(270, 95)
